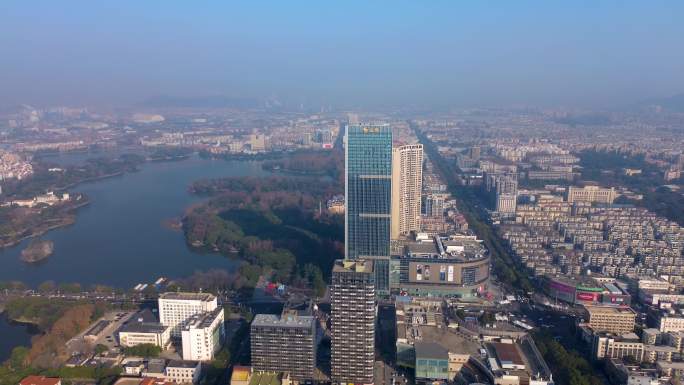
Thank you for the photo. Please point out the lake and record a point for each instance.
(119, 238)
(12, 335)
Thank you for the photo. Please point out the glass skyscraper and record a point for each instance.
(368, 192)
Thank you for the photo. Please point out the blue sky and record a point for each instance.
(346, 53)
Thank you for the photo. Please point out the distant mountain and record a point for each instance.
(673, 103)
(14, 108)
(201, 102)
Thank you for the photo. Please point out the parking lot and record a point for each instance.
(100, 332)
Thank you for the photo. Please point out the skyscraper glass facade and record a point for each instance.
(368, 190)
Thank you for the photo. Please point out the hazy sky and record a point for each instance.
(342, 52)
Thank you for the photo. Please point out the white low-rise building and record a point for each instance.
(203, 335)
(143, 328)
(183, 372)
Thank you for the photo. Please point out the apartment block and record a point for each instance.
(407, 185)
(606, 345)
(611, 319)
(352, 294)
(284, 343)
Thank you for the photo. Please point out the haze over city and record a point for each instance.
(341, 193)
(346, 54)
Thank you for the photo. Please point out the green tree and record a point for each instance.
(71, 288)
(18, 357)
(143, 350)
(47, 287)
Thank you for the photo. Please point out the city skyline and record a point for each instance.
(341, 193)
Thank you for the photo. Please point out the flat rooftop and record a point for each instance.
(609, 310)
(202, 320)
(188, 296)
(182, 364)
(431, 350)
(422, 248)
(358, 266)
(143, 327)
(507, 353)
(287, 321)
(446, 249)
(624, 337)
(578, 281)
(156, 365)
(143, 321)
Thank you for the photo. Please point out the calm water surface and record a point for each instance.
(119, 238)
(12, 335)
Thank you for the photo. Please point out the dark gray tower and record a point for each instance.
(352, 294)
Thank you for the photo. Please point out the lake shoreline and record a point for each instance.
(68, 222)
(133, 219)
(64, 222)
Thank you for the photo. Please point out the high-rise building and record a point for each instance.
(257, 142)
(352, 295)
(474, 152)
(202, 335)
(175, 309)
(407, 184)
(285, 343)
(368, 190)
(504, 188)
(434, 205)
(506, 203)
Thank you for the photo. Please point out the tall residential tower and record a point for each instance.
(352, 299)
(407, 184)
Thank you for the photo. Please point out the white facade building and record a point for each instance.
(157, 335)
(591, 194)
(183, 372)
(202, 336)
(506, 203)
(407, 186)
(175, 309)
(144, 328)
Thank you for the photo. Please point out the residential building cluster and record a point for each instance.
(583, 232)
(13, 166)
